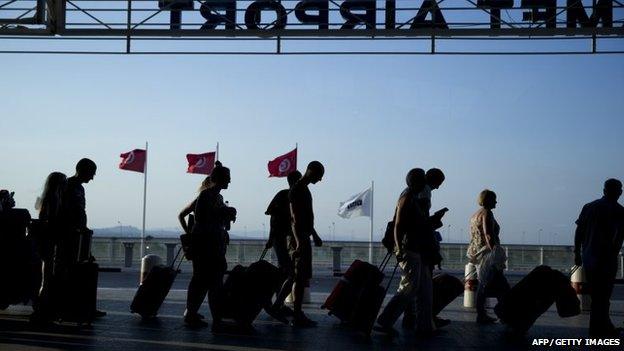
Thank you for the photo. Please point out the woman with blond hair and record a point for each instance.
(51, 219)
(486, 253)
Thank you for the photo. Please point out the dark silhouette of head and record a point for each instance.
(487, 199)
(220, 176)
(435, 178)
(6, 200)
(612, 189)
(416, 179)
(85, 170)
(315, 172)
(293, 177)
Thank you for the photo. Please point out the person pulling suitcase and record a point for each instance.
(279, 235)
(208, 241)
(415, 249)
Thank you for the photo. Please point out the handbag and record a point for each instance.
(496, 258)
(186, 240)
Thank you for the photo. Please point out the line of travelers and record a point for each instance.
(411, 236)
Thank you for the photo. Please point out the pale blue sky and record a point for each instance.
(544, 132)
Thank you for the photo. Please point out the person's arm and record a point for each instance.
(579, 236)
(296, 233)
(318, 242)
(488, 229)
(270, 212)
(399, 222)
(182, 216)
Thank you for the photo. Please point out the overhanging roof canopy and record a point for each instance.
(300, 26)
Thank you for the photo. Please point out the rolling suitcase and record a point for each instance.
(368, 304)
(78, 294)
(568, 304)
(528, 299)
(247, 290)
(341, 300)
(154, 289)
(360, 275)
(446, 288)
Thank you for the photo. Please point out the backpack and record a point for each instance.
(388, 237)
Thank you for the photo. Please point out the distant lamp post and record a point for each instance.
(539, 236)
(120, 229)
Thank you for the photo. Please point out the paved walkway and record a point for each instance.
(120, 330)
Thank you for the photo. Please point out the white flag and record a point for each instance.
(357, 205)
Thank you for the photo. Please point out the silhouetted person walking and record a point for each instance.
(52, 226)
(484, 241)
(303, 227)
(74, 207)
(415, 252)
(597, 242)
(209, 243)
(279, 234)
(434, 178)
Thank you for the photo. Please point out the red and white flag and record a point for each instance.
(281, 166)
(201, 163)
(133, 160)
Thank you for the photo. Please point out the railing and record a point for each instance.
(124, 252)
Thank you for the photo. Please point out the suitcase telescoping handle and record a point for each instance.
(176, 258)
(385, 261)
(392, 276)
(383, 265)
(264, 252)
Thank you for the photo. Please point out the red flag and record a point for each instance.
(201, 163)
(281, 166)
(133, 160)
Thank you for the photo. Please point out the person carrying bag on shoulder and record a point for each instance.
(415, 249)
(208, 243)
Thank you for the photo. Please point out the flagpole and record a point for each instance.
(370, 244)
(217, 154)
(144, 203)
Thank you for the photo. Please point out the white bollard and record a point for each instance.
(470, 285)
(579, 283)
(306, 294)
(147, 263)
